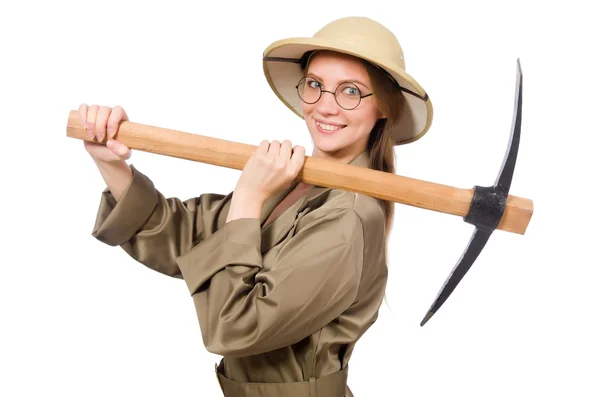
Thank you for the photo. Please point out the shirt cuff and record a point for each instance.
(118, 221)
(238, 242)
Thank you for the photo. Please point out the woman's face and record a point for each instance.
(336, 132)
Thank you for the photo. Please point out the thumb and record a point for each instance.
(119, 149)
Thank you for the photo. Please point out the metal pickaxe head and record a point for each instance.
(487, 207)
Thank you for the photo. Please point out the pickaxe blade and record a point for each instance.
(487, 207)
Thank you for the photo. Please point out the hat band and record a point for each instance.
(301, 60)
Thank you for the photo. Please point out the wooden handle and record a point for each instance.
(316, 171)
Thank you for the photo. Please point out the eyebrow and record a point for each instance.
(343, 81)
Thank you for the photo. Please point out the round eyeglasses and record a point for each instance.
(347, 95)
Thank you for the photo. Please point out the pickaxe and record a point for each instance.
(488, 208)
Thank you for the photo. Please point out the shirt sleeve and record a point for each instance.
(155, 230)
(244, 309)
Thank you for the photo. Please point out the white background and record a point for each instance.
(83, 319)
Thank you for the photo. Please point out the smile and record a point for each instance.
(328, 128)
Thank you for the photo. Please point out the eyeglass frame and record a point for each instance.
(321, 91)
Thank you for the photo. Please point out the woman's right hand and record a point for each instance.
(101, 122)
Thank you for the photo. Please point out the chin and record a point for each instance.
(330, 148)
(328, 143)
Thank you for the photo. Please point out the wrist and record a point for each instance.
(118, 169)
(116, 175)
(245, 205)
(111, 165)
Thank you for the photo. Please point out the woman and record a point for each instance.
(285, 276)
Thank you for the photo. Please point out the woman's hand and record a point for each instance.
(101, 122)
(270, 169)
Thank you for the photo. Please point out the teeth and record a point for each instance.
(328, 127)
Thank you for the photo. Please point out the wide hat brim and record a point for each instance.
(281, 65)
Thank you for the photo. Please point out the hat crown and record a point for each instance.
(365, 35)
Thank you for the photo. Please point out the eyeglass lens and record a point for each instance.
(347, 95)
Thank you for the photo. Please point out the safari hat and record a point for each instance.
(362, 37)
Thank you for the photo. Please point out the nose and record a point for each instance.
(327, 103)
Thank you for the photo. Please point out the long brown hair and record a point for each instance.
(390, 102)
(380, 147)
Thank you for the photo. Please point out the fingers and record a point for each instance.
(283, 157)
(101, 120)
(116, 115)
(272, 167)
(263, 148)
(285, 150)
(298, 157)
(91, 119)
(274, 149)
(83, 110)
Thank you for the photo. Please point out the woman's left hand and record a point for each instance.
(270, 169)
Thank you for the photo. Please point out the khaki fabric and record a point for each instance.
(281, 303)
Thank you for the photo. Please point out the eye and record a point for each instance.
(313, 84)
(351, 90)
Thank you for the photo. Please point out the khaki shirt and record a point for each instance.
(284, 302)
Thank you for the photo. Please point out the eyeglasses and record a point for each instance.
(347, 95)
